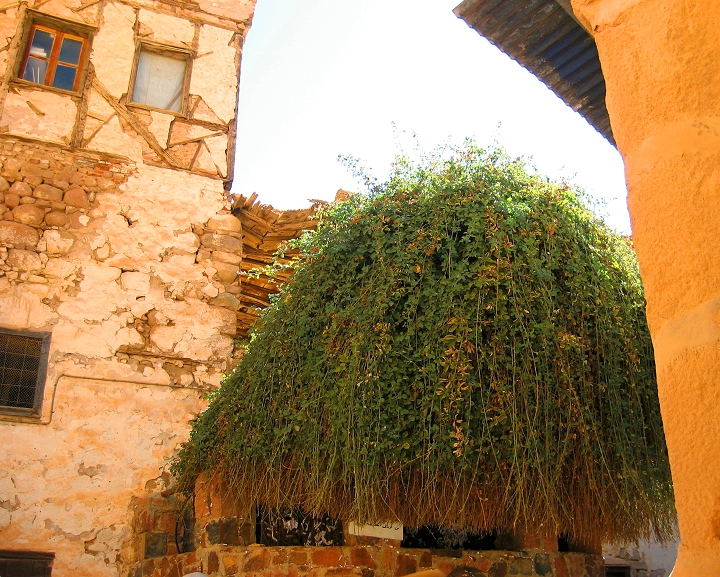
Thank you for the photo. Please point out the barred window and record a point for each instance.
(25, 564)
(23, 365)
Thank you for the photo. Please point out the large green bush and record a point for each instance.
(465, 346)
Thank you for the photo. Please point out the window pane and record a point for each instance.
(70, 51)
(64, 77)
(35, 70)
(42, 43)
(159, 81)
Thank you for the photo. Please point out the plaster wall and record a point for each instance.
(117, 262)
(116, 237)
(660, 62)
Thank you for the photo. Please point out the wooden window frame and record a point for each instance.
(61, 28)
(36, 410)
(170, 51)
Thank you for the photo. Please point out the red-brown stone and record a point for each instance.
(258, 558)
(561, 569)
(297, 557)
(213, 563)
(76, 197)
(405, 565)
(327, 556)
(359, 556)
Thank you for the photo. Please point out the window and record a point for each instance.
(23, 365)
(160, 78)
(55, 53)
(25, 564)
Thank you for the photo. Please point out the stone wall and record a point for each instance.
(117, 238)
(211, 532)
(380, 561)
(132, 269)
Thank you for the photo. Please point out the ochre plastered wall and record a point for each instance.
(661, 62)
(116, 236)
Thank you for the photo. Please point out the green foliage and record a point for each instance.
(465, 346)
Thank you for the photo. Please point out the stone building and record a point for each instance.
(119, 260)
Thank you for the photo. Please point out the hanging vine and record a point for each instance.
(465, 345)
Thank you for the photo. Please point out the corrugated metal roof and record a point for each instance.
(543, 37)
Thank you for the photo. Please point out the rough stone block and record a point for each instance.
(47, 192)
(228, 257)
(12, 164)
(230, 563)
(221, 242)
(56, 218)
(298, 557)
(226, 272)
(34, 180)
(223, 532)
(212, 563)
(542, 564)
(227, 301)
(360, 557)
(12, 199)
(57, 242)
(76, 197)
(405, 565)
(327, 556)
(258, 558)
(24, 260)
(28, 214)
(224, 223)
(155, 544)
(18, 235)
(21, 189)
(4, 185)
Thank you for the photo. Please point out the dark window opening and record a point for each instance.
(563, 544)
(25, 564)
(23, 364)
(434, 537)
(291, 527)
(618, 571)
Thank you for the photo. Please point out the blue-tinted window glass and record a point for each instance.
(70, 51)
(42, 44)
(35, 70)
(64, 77)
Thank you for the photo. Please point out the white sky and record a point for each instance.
(327, 77)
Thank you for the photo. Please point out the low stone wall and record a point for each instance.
(380, 561)
(222, 536)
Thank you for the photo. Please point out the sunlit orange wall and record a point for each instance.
(661, 61)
